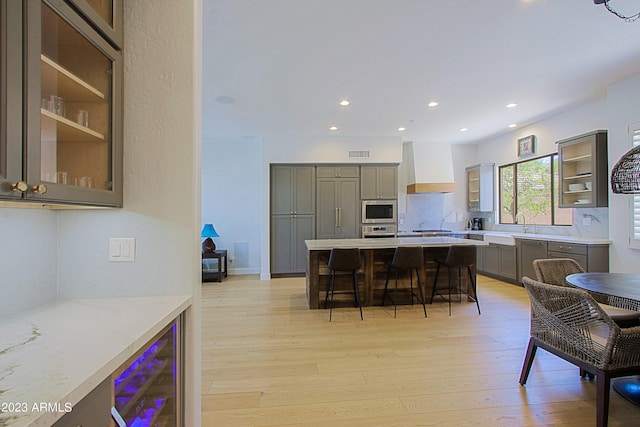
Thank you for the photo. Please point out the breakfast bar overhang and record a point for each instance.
(376, 254)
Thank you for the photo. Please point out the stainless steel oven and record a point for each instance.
(379, 212)
(382, 230)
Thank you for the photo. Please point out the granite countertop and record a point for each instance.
(57, 354)
(389, 242)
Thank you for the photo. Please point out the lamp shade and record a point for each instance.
(209, 231)
(625, 175)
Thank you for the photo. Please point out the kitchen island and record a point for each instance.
(376, 253)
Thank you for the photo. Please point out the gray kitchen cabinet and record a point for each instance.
(61, 138)
(529, 251)
(293, 217)
(292, 190)
(592, 258)
(338, 210)
(338, 171)
(378, 182)
(288, 251)
(480, 187)
(583, 177)
(500, 261)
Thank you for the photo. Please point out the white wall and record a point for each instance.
(231, 185)
(623, 109)
(583, 118)
(28, 259)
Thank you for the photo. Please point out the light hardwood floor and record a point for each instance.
(270, 361)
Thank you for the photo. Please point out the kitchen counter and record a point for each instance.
(547, 237)
(389, 242)
(376, 253)
(57, 354)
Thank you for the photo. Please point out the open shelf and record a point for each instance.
(586, 157)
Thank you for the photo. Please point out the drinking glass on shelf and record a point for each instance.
(82, 118)
(63, 177)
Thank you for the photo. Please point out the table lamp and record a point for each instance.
(208, 232)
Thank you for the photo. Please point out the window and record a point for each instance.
(529, 189)
(634, 240)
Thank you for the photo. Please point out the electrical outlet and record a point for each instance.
(586, 220)
(122, 249)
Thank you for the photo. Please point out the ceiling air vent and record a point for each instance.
(358, 153)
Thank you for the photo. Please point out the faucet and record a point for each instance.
(524, 221)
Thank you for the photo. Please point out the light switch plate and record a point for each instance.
(122, 249)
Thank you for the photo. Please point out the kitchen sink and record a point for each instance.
(500, 239)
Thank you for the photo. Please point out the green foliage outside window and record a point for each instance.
(528, 191)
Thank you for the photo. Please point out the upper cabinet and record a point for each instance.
(379, 182)
(342, 171)
(106, 15)
(480, 187)
(62, 134)
(583, 171)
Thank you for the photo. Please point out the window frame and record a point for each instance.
(553, 161)
(633, 131)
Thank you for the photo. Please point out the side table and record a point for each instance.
(221, 256)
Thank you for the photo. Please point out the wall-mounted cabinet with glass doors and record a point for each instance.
(480, 187)
(61, 110)
(583, 171)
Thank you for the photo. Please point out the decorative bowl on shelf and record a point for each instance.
(576, 187)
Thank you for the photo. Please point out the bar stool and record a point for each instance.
(347, 260)
(406, 258)
(459, 257)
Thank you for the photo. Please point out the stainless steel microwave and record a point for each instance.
(379, 212)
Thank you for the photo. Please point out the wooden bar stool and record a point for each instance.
(346, 260)
(458, 257)
(406, 258)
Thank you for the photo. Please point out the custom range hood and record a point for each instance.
(428, 167)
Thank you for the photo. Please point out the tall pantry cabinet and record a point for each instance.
(293, 216)
(61, 102)
(338, 193)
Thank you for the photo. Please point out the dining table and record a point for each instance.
(621, 285)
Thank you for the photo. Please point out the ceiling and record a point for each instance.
(286, 64)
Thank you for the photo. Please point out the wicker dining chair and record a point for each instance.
(624, 311)
(570, 324)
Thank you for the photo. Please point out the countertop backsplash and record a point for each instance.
(432, 211)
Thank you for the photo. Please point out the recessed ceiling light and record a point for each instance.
(402, 129)
(433, 104)
(511, 105)
(463, 129)
(345, 102)
(512, 125)
(333, 128)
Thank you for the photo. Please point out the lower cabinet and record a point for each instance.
(145, 391)
(500, 261)
(529, 251)
(512, 263)
(93, 410)
(288, 251)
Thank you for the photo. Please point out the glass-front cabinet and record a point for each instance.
(583, 171)
(71, 138)
(106, 15)
(480, 187)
